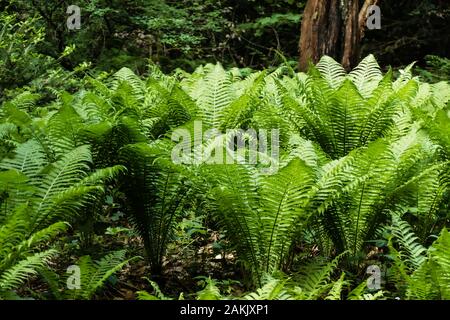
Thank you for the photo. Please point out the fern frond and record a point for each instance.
(126, 75)
(366, 76)
(315, 278)
(101, 270)
(210, 291)
(336, 290)
(332, 71)
(412, 250)
(20, 272)
(273, 289)
(158, 191)
(29, 159)
(215, 96)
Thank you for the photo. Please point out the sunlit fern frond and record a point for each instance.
(366, 76)
(432, 279)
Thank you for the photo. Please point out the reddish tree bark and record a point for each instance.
(334, 28)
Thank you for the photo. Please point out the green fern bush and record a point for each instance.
(94, 274)
(45, 182)
(355, 150)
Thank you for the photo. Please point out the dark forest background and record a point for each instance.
(36, 46)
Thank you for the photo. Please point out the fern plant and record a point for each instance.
(94, 274)
(22, 257)
(37, 194)
(342, 112)
(157, 192)
(355, 150)
(431, 280)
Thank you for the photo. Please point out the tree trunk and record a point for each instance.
(334, 28)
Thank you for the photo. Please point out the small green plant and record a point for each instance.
(94, 274)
